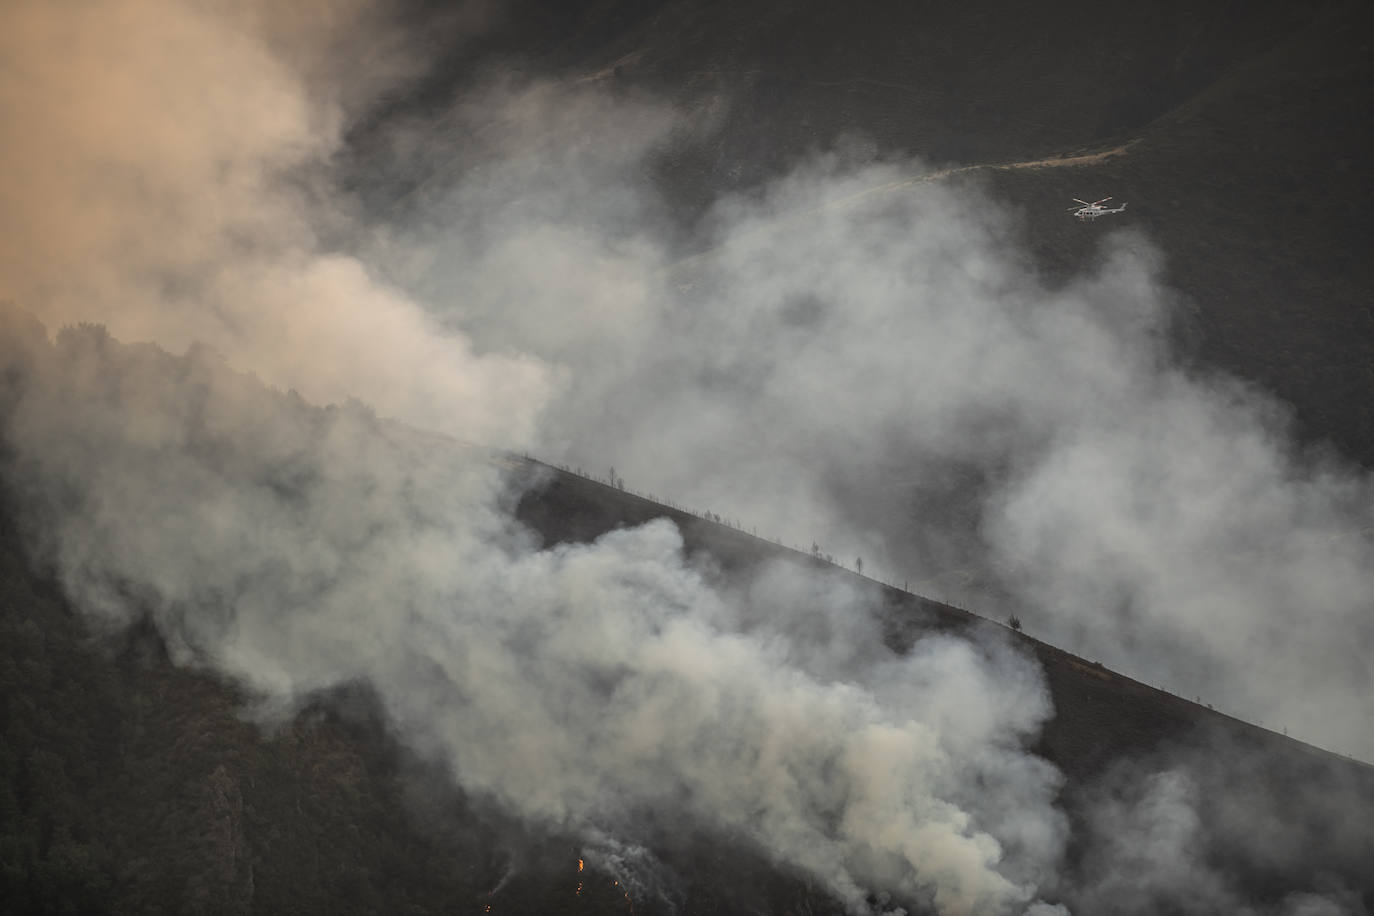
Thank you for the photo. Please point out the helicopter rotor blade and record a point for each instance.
(1083, 202)
(1102, 201)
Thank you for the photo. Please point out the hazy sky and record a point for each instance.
(884, 373)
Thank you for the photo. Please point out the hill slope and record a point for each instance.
(131, 785)
(131, 781)
(1109, 734)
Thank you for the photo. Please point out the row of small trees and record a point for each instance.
(613, 479)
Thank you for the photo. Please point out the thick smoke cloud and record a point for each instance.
(585, 687)
(883, 374)
(879, 372)
(294, 548)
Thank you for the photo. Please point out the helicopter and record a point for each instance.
(1095, 209)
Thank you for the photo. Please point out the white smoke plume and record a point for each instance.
(295, 548)
(885, 375)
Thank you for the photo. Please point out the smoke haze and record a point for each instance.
(882, 373)
(583, 686)
(165, 174)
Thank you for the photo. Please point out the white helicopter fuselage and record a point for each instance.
(1093, 212)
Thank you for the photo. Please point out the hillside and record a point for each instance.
(131, 785)
(136, 778)
(1107, 731)
(132, 782)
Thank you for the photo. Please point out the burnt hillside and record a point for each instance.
(263, 655)
(1107, 730)
(132, 785)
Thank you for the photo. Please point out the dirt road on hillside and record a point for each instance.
(1052, 162)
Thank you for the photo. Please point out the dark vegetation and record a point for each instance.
(129, 785)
